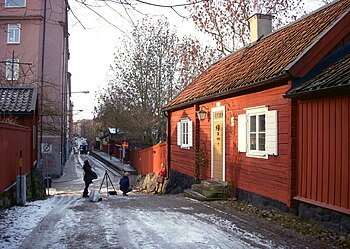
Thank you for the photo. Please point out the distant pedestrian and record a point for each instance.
(89, 175)
(160, 178)
(124, 184)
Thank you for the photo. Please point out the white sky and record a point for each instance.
(92, 48)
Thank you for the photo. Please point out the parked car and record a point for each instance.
(84, 148)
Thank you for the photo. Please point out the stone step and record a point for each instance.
(197, 196)
(209, 190)
(214, 186)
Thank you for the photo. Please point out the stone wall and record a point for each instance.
(35, 190)
(328, 218)
(178, 182)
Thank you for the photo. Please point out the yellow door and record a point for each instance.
(218, 143)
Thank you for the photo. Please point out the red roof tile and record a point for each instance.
(263, 60)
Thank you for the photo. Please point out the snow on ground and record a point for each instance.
(17, 222)
(118, 223)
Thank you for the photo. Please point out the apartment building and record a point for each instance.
(34, 52)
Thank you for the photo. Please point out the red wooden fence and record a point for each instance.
(323, 154)
(149, 160)
(13, 138)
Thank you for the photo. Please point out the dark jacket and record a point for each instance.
(89, 174)
(124, 183)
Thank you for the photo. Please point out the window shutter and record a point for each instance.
(179, 133)
(242, 133)
(190, 133)
(271, 133)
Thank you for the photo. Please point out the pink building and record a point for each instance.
(34, 51)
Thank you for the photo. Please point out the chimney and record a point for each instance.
(260, 25)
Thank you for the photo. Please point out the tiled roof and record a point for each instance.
(263, 61)
(17, 99)
(336, 76)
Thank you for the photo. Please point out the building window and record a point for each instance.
(12, 69)
(257, 132)
(13, 33)
(15, 3)
(184, 133)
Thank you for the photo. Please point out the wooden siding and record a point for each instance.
(323, 151)
(181, 160)
(149, 160)
(13, 139)
(273, 177)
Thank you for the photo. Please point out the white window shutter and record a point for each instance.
(242, 133)
(179, 133)
(190, 133)
(271, 133)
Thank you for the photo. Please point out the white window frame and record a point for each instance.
(13, 4)
(271, 132)
(185, 133)
(12, 65)
(14, 33)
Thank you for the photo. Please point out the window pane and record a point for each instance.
(12, 69)
(252, 141)
(14, 3)
(13, 33)
(261, 123)
(253, 123)
(262, 141)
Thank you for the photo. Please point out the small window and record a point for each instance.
(257, 132)
(184, 133)
(12, 69)
(15, 3)
(13, 33)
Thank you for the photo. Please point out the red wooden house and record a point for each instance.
(249, 134)
(18, 104)
(323, 154)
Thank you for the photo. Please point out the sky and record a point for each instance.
(92, 47)
(93, 41)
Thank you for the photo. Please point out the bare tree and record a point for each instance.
(149, 70)
(226, 21)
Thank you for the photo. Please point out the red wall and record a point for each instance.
(149, 160)
(323, 152)
(274, 177)
(13, 139)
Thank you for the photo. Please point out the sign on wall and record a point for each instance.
(46, 147)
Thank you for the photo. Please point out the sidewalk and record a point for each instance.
(113, 162)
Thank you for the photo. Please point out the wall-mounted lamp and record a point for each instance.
(202, 114)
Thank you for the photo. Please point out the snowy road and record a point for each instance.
(66, 220)
(123, 222)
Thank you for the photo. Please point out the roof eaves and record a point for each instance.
(307, 50)
(236, 91)
(323, 92)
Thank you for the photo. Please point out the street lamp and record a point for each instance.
(81, 92)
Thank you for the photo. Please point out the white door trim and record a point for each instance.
(215, 109)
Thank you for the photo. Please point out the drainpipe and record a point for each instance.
(168, 141)
(42, 83)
